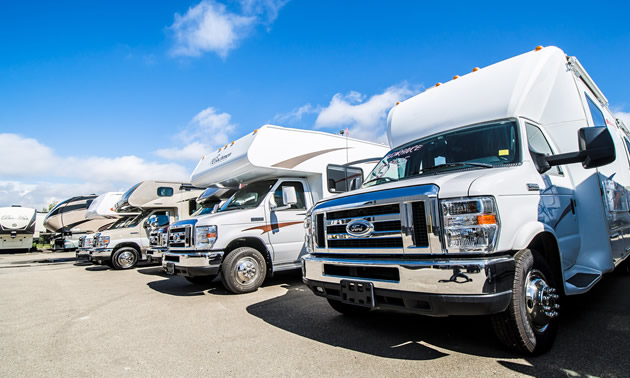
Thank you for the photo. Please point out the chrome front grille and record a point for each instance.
(397, 221)
(180, 237)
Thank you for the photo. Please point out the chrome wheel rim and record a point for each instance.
(247, 270)
(540, 301)
(126, 259)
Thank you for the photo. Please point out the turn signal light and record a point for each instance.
(486, 219)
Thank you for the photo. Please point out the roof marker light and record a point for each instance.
(255, 131)
(455, 77)
(538, 48)
(225, 146)
(438, 84)
(397, 102)
(232, 143)
(475, 69)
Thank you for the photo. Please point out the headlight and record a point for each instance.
(470, 225)
(103, 241)
(205, 236)
(308, 233)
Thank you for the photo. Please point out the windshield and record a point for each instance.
(484, 146)
(250, 196)
(203, 211)
(135, 221)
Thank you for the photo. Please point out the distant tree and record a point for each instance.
(50, 207)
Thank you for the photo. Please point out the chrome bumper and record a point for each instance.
(192, 263)
(437, 286)
(83, 254)
(100, 255)
(155, 254)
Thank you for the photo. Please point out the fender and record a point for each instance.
(528, 232)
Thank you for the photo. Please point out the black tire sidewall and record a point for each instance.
(228, 270)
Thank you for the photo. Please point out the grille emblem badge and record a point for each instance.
(359, 228)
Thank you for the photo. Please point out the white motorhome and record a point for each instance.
(102, 207)
(17, 225)
(479, 208)
(208, 202)
(157, 202)
(258, 231)
(68, 221)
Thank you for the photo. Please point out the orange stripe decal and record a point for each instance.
(272, 227)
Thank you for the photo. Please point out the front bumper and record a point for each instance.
(101, 255)
(83, 254)
(192, 264)
(437, 287)
(154, 254)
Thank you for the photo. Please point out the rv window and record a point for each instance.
(165, 191)
(299, 191)
(343, 179)
(596, 114)
(538, 144)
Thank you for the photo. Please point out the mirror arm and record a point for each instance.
(568, 158)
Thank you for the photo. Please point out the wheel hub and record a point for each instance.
(541, 300)
(246, 270)
(126, 259)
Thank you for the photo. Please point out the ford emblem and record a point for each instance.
(359, 227)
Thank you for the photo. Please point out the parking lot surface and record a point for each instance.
(60, 317)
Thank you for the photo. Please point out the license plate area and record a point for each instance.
(170, 268)
(357, 293)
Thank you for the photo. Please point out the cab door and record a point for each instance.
(286, 226)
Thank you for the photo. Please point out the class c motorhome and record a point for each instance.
(156, 202)
(17, 226)
(208, 202)
(281, 172)
(67, 220)
(102, 207)
(505, 189)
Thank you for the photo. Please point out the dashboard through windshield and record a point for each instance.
(484, 146)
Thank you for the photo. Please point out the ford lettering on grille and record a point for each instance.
(359, 228)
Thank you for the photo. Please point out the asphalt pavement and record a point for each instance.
(60, 317)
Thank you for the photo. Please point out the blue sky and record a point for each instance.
(95, 96)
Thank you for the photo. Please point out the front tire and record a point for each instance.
(243, 270)
(125, 258)
(529, 324)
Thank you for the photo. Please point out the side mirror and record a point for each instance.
(289, 197)
(596, 149)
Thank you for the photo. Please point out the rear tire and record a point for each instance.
(348, 309)
(200, 280)
(125, 258)
(529, 324)
(243, 270)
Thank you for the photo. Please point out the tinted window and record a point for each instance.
(299, 191)
(165, 191)
(538, 145)
(596, 114)
(343, 179)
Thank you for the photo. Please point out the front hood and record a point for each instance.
(453, 184)
(123, 233)
(232, 217)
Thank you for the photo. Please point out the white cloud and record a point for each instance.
(366, 119)
(295, 114)
(204, 133)
(34, 175)
(210, 26)
(625, 117)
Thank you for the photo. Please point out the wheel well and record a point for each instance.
(545, 243)
(255, 243)
(121, 245)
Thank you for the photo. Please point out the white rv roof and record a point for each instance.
(537, 85)
(280, 151)
(103, 206)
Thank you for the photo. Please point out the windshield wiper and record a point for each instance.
(381, 178)
(456, 164)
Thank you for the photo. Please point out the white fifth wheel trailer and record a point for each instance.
(479, 208)
(17, 225)
(281, 172)
(157, 202)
